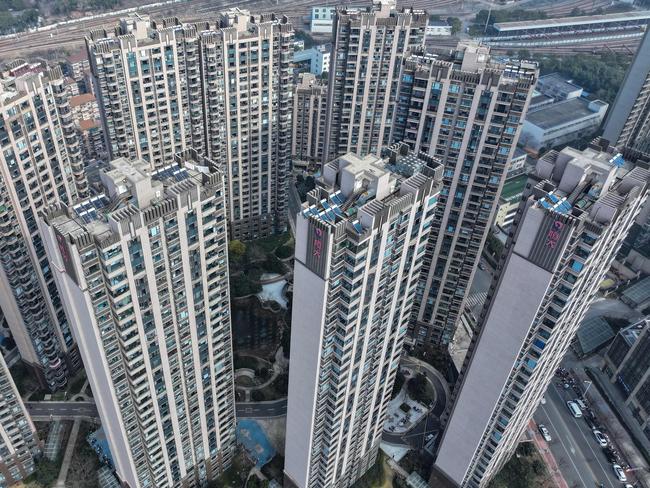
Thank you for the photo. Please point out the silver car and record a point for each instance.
(620, 474)
(600, 437)
(545, 433)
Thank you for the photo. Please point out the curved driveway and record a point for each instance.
(416, 435)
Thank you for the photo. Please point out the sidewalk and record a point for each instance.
(67, 458)
(609, 418)
(547, 455)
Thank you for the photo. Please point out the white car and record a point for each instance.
(620, 474)
(600, 437)
(545, 433)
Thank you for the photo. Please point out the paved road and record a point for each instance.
(252, 410)
(61, 409)
(43, 410)
(580, 458)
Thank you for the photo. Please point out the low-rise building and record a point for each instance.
(78, 65)
(322, 20)
(509, 200)
(517, 164)
(437, 28)
(556, 87)
(92, 139)
(627, 363)
(318, 58)
(84, 106)
(559, 113)
(637, 296)
(562, 122)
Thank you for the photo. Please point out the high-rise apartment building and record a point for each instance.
(309, 116)
(18, 439)
(40, 164)
(143, 271)
(628, 120)
(369, 44)
(576, 211)
(360, 243)
(627, 363)
(224, 90)
(465, 109)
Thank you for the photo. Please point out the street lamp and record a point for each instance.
(589, 386)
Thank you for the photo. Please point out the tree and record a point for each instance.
(237, 248)
(494, 245)
(455, 23)
(399, 383)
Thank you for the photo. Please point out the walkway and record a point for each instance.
(67, 458)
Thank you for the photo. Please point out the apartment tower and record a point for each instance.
(224, 90)
(577, 209)
(360, 243)
(466, 110)
(40, 164)
(309, 117)
(18, 439)
(368, 46)
(628, 120)
(143, 271)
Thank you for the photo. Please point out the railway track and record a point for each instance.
(72, 35)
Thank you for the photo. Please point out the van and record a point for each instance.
(574, 409)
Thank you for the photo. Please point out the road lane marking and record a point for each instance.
(560, 438)
(578, 426)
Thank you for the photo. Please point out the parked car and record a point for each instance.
(574, 409)
(600, 437)
(581, 404)
(620, 474)
(545, 433)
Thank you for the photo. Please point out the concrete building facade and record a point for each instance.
(466, 110)
(318, 58)
(143, 271)
(41, 164)
(368, 46)
(628, 120)
(627, 363)
(322, 19)
(223, 90)
(578, 208)
(18, 438)
(309, 114)
(360, 241)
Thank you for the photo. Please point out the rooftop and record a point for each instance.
(87, 124)
(78, 100)
(130, 186)
(592, 184)
(632, 332)
(569, 21)
(350, 183)
(638, 292)
(592, 334)
(556, 83)
(561, 113)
